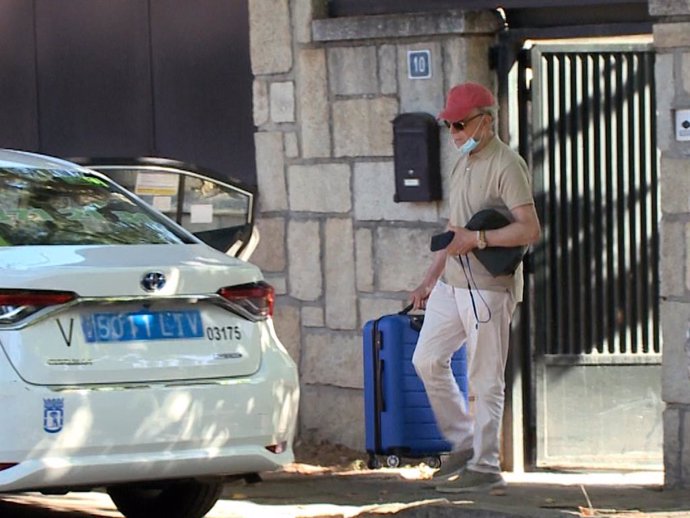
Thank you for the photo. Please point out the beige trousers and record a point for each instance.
(450, 322)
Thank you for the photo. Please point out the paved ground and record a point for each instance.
(407, 493)
(306, 490)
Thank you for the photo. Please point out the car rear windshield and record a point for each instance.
(55, 207)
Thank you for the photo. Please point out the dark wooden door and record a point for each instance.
(168, 78)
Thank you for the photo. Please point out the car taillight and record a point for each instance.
(256, 298)
(18, 304)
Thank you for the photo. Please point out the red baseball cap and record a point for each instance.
(463, 98)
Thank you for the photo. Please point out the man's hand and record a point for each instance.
(463, 242)
(420, 295)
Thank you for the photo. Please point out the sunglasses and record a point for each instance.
(460, 125)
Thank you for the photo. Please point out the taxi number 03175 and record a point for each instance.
(223, 333)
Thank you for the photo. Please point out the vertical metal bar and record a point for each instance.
(600, 292)
(565, 271)
(588, 278)
(539, 153)
(645, 313)
(610, 273)
(654, 182)
(573, 203)
(554, 343)
(621, 220)
(634, 182)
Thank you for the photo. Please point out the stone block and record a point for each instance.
(270, 36)
(449, 158)
(283, 101)
(270, 252)
(684, 440)
(304, 259)
(303, 12)
(371, 308)
(352, 70)
(685, 72)
(385, 27)
(673, 279)
(270, 171)
(312, 316)
(364, 263)
(291, 144)
(332, 414)
(286, 320)
(312, 99)
(669, 36)
(665, 81)
(332, 358)
(363, 127)
(402, 256)
(278, 282)
(465, 60)
(669, 7)
(454, 62)
(260, 102)
(374, 187)
(339, 266)
(421, 95)
(678, 252)
(320, 188)
(675, 185)
(388, 69)
(675, 375)
(672, 447)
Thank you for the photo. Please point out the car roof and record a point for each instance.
(10, 158)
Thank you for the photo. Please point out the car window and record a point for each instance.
(197, 203)
(56, 207)
(218, 212)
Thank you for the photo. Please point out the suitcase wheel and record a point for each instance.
(373, 462)
(434, 462)
(392, 461)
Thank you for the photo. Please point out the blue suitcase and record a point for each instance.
(398, 419)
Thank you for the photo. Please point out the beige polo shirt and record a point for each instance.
(494, 178)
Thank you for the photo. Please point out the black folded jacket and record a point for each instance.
(498, 260)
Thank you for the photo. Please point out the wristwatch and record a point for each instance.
(481, 239)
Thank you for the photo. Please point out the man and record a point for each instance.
(470, 306)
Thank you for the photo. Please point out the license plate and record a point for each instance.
(148, 325)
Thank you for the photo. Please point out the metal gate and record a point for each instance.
(596, 373)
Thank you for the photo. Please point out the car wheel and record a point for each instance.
(183, 499)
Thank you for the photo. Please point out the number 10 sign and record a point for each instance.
(419, 64)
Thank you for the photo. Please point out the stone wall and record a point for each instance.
(672, 42)
(334, 244)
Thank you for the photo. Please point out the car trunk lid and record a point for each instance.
(119, 331)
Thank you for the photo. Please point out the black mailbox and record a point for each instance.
(417, 158)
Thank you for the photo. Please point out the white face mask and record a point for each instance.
(471, 142)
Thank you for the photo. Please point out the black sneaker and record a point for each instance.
(454, 464)
(472, 481)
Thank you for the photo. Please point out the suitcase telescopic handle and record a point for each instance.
(380, 404)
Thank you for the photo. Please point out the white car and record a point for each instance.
(133, 357)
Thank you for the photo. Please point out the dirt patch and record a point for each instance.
(326, 457)
(323, 458)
